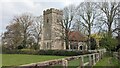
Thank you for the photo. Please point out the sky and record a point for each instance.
(11, 8)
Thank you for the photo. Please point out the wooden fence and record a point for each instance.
(117, 55)
(92, 59)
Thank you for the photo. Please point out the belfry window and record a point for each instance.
(47, 20)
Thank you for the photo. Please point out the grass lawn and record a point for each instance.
(0, 60)
(72, 64)
(75, 63)
(20, 59)
(108, 61)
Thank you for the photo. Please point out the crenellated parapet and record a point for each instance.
(53, 10)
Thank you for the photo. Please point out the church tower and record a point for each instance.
(51, 34)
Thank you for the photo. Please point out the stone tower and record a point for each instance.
(51, 35)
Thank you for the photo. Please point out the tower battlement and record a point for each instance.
(53, 10)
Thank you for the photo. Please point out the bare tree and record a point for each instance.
(37, 29)
(110, 12)
(25, 20)
(66, 23)
(87, 13)
(77, 26)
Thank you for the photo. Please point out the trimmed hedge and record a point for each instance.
(46, 52)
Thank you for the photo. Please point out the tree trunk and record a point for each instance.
(67, 39)
(89, 42)
(37, 44)
(109, 31)
(24, 40)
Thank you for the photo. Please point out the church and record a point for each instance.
(51, 35)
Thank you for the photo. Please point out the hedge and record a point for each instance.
(46, 52)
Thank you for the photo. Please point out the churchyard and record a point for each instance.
(86, 35)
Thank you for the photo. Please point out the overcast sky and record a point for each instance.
(11, 8)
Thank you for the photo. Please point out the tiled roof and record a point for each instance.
(77, 36)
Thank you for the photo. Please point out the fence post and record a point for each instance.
(93, 59)
(64, 63)
(81, 61)
(97, 57)
(100, 55)
(90, 60)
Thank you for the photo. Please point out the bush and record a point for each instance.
(93, 44)
(20, 47)
(109, 43)
(46, 52)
